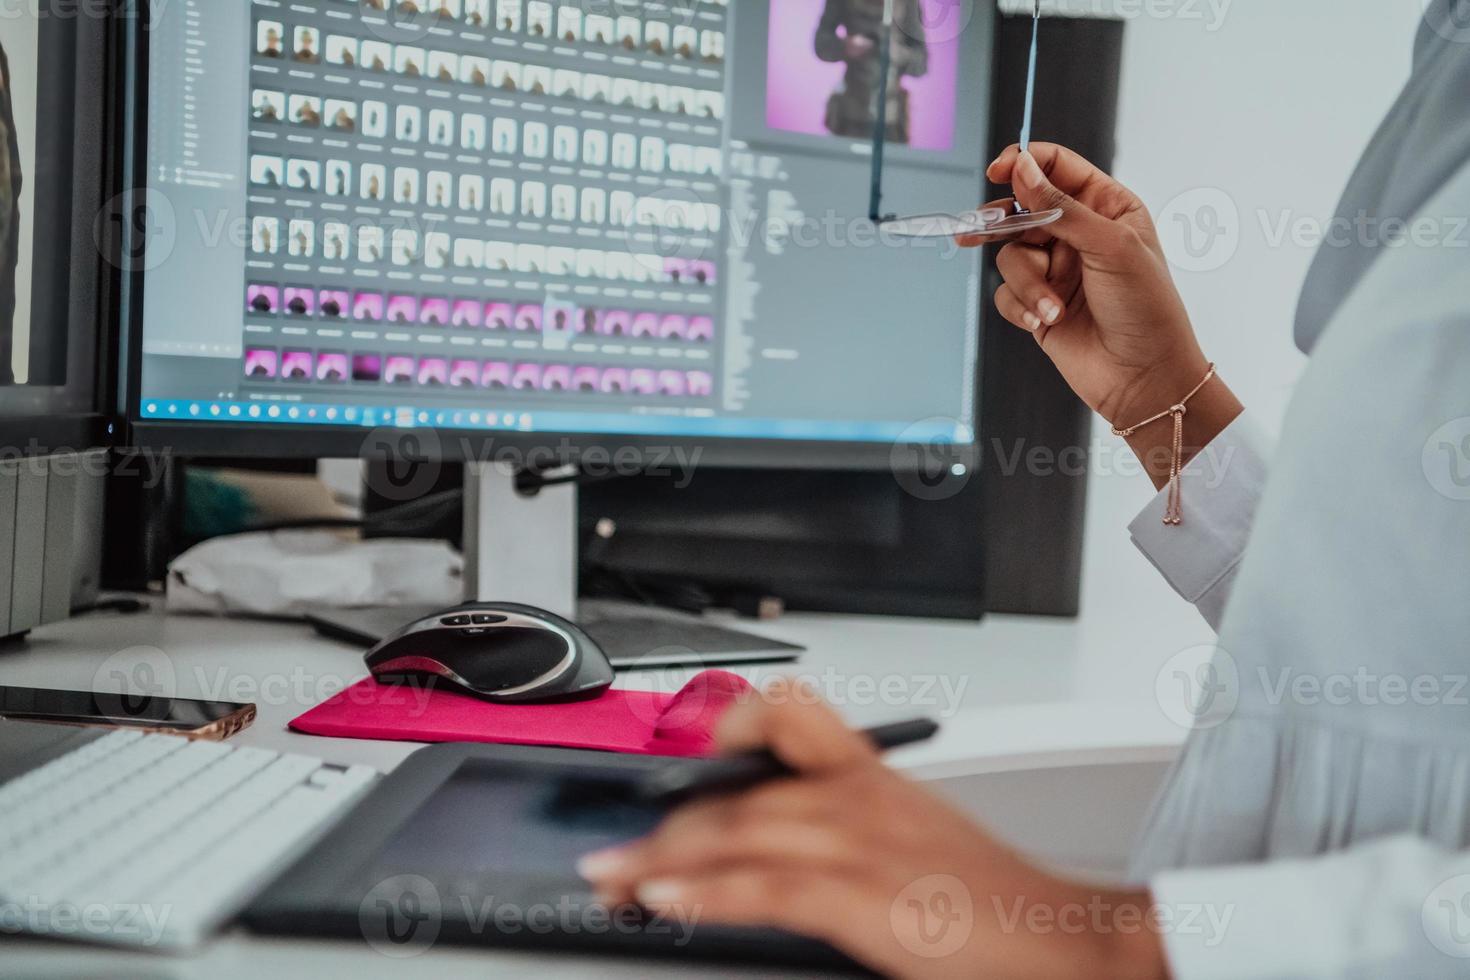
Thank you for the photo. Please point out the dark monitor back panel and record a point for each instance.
(839, 542)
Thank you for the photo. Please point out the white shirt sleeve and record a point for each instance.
(1221, 487)
(1399, 907)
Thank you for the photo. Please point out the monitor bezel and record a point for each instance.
(38, 419)
(280, 441)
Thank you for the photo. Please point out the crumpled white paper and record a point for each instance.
(288, 573)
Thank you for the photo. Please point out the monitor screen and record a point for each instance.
(623, 217)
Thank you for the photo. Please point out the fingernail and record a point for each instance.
(1050, 311)
(1030, 320)
(1028, 171)
(600, 864)
(664, 892)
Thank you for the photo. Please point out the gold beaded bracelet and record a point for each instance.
(1174, 509)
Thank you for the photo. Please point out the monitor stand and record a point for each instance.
(520, 548)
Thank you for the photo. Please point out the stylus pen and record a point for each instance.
(703, 777)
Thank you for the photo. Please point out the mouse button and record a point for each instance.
(460, 620)
(510, 657)
(487, 619)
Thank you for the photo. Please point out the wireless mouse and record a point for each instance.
(499, 651)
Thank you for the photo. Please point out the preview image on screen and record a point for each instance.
(823, 71)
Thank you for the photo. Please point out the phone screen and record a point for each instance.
(136, 710)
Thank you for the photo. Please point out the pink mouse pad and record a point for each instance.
(637, 722)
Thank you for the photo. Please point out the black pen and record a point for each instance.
(688, 778)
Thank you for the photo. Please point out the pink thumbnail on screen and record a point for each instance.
(467, 313)
(527, 377)
(464, 374)
(300, 302)
(368, 307)
(556, 377)
(333, 303)
(367, 367)
(585, 378)
(433, 372)
(498, 316)
(643, 381)
(645, 325)
(702, 328)
(402, 309)
(331, 367)
(615, 323)
(814, 86)
(614, 381)
(399, 370)
(296, 365)
(528, 317)
(702, 272)
(496, 375)
(260, 362)
(262, 299)
(434, 312)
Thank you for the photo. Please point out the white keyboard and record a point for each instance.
(154, 840)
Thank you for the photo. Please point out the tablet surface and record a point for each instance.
(477, 844)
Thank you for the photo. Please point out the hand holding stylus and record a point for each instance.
(844, 849)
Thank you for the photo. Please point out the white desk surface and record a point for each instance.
(1012, 693)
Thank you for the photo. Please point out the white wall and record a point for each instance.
(1271, 107)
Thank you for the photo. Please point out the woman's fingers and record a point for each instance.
(694, 842)
(814, 905)
(1015, 311)
(1079, 226)
(1025, 269)
(789, 719)
(1070, 172)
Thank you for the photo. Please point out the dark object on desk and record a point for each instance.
(703, 777)
(207, 720)
(413, 865)
(500, 651)
(630, 639)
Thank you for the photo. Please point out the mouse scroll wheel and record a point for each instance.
(472, 619)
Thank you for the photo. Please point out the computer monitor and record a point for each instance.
(54, 352)
(527, 223)
(532, 232)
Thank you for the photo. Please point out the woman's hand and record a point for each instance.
(851, 853)
(1095, 290)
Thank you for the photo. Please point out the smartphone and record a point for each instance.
(210, 720)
